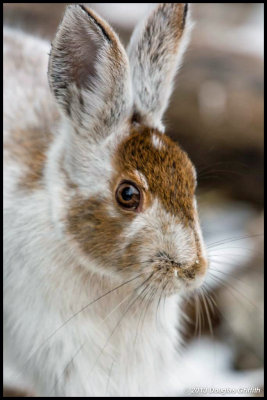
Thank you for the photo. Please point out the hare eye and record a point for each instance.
(128, 196)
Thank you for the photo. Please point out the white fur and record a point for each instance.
(149, 102)
(47, 280)
(158, 144)
(142, 178)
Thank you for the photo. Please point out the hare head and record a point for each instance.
(129, 191)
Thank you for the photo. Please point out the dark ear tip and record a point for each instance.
(84, 9)
(185, 13)
(93, 18)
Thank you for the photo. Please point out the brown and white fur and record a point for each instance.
(66, 239)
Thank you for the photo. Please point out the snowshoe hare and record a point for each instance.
(101, 230)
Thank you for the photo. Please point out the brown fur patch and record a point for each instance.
(94, 229)
(99, 234)
(168, 170)
(181, 15)
(28, 148)
(169, 175)
(177, 13)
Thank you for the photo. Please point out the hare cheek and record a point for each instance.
(97, 233)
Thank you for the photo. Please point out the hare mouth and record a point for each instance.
(179, 269)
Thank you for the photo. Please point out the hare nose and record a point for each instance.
(166, 257)
(162, 255)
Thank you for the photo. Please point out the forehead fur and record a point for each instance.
(165, 166)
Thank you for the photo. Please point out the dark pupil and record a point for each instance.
(127, 193)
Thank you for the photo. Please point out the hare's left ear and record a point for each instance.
(155, 52)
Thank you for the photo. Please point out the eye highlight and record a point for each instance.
(129, 196)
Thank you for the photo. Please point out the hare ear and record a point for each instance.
(89, 73)
(155, 52)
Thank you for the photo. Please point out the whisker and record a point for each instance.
(201, 313)
(89, 304)
(207, 295)
(207, 313)
(209, 168)
(198, 316)
(210, 296)
(66, 367)
(214, 262)
(225, 253)
(235, 257)
(233, 239)
(149, 301)
(228, 324)
(225, 264)
(83, 344)
(234, 289)
(228, 274)
(159, 300)
(219, 247)
(118, 323)
(141, 310)
(72, 317)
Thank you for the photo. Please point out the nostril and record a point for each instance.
(163, 256)
(176, 264)
(187, 270)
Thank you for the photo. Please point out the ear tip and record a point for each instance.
(72, 7)
(72, 10)
(78, 9)
(183, 10)
(186, 7)
(83, 8)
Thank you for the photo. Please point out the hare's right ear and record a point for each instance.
(155, 52)
(89, 73)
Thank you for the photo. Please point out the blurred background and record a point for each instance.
(216, 115)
